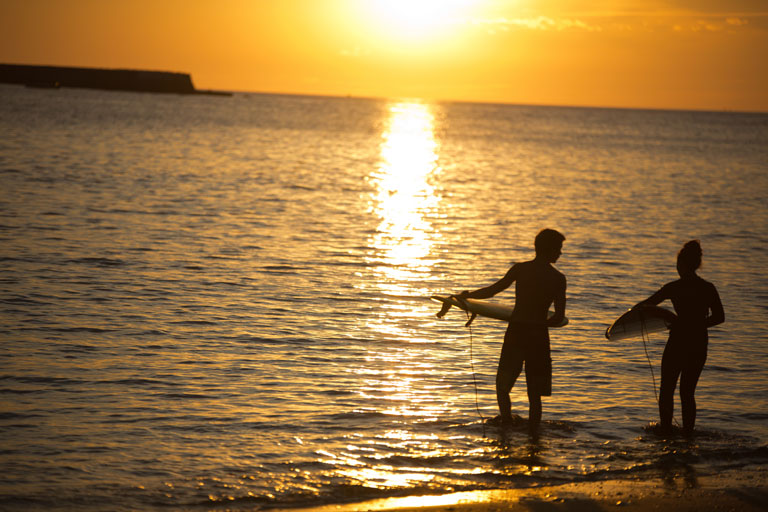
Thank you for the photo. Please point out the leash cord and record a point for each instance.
(646, 339)
(650, 365)
(474, 378)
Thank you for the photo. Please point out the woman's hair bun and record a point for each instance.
(690, 255)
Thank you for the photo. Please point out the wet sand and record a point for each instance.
(742, 492)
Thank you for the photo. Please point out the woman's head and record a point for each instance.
(689, 257)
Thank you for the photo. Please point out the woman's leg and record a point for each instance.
(688, 381)
(671, 366)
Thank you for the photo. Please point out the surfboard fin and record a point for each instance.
(471, 319)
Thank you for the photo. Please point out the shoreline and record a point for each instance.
(737, 491)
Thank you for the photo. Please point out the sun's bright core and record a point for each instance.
(418, 19)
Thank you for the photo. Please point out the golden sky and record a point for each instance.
(676, 54)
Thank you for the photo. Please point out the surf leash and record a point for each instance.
(472, 366)
(470, 319)
(644, 334)
(646, 340)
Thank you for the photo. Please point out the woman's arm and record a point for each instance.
(654, 299)
(717, 314)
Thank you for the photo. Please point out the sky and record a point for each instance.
(668, 54)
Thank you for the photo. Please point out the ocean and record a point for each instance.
(222, 302)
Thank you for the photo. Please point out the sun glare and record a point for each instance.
(405, 193)
(403, 198)
(418, 19)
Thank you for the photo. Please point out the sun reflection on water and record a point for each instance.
(399, 381)
(396, 381)
(405, 193)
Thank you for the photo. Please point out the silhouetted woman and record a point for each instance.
(698, 307)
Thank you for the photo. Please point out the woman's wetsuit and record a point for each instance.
(686, 352)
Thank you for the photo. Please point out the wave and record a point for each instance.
(98, 261)
(92, 330)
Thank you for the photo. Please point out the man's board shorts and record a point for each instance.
(529, 343)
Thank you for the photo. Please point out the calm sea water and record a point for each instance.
(222, 302)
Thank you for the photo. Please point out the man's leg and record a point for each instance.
(534, 411)
(538, 375)
(510, 366)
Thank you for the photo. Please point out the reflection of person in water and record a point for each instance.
(537, 285)
(698, 307)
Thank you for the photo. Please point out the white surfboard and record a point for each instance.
(482, 308)
(640, 321)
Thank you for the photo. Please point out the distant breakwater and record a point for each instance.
(96, 78)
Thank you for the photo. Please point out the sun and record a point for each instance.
(418, 19)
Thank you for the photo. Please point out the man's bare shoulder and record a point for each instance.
(559, 277)
(536, 266)
(543, 271)
(522, 265)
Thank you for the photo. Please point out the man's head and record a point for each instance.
(549, 244)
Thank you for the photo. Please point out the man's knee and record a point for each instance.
(506, 378)
(534, 399)
(504, 382)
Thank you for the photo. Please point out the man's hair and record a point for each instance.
(548, 239)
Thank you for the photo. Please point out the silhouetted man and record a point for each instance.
(537, 285)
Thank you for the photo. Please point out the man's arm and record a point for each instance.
(559, 315)
(499, 286)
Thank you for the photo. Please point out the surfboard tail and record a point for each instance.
(639, 321)
(449, 302)
(443, 310)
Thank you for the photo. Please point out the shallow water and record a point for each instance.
(223, 301)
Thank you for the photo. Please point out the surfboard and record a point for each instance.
(638, 321)
(482, 308)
